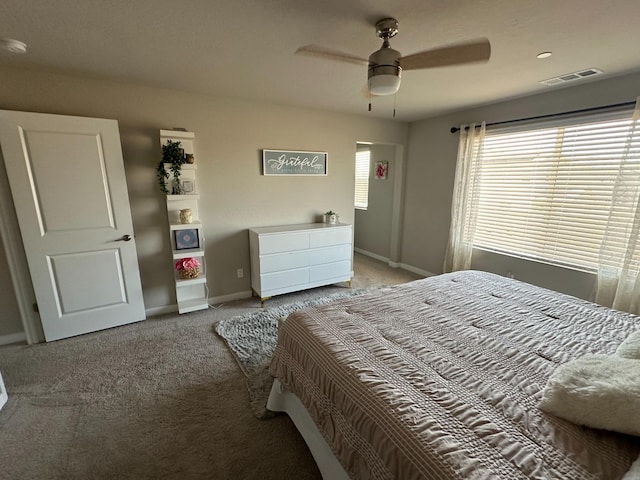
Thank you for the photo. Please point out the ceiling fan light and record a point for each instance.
(384, 84)
(384, 79)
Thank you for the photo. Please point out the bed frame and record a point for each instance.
(282, 400)
(3, 393)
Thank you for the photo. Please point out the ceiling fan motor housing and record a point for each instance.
(384, 71)
(387, 28)
(384, 64)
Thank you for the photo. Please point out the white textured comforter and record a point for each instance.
(440, 379)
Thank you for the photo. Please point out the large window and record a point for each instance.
(546, 192)
(363, 160)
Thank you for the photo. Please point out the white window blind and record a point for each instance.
(363, 159)
(545, 193)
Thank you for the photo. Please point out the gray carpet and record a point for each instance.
(252, 339)
(161, 399)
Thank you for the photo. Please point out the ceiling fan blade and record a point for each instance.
(364, 91)
(458, 54)
(318, 51)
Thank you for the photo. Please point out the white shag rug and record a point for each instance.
(252, 340)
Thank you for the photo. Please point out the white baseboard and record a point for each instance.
(372, 255)
(403, 266)
(13, 338)
(231, 297)
(416, 270)
(152, 312)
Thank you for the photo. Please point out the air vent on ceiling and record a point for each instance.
(570, 77)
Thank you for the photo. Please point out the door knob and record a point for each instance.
(125, 238)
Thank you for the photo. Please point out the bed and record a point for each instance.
(441, 379)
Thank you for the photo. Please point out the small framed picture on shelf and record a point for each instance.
(187, 238)
(188, 187)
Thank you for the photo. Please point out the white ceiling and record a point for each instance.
(245, 48)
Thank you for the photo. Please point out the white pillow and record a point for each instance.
(630, 348)
(599, 391)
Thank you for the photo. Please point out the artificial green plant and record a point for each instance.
(173, 154)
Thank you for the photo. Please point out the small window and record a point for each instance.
(363, 159)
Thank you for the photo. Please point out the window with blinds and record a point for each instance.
(545, 193)
(363, 159)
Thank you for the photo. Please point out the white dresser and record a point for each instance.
(289, 258)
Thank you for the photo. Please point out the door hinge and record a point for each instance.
(35, 308)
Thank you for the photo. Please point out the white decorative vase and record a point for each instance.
(331, 218)
(186, 216)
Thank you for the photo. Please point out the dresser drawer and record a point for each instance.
(329, 237)
(288, 278)
(277, 262)
(285, 242)
(319, 256)
(330, 270)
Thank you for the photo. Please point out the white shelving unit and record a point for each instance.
(191, 294)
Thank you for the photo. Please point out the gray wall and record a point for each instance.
(430, 173)
(372, 230)
(9, 313)
(230, 134)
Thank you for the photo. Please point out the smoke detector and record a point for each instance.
(13, 46)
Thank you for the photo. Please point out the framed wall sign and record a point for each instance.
(284, 162)
(187, 238)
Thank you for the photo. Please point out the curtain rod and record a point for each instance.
(550, 115)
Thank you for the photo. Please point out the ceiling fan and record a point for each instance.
(386, 64)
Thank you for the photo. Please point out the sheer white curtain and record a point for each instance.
(618, 283)
(458, 255)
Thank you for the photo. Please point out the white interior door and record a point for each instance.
(70, 194)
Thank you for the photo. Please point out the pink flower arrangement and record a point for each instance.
(187, 264)
(188, 268)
